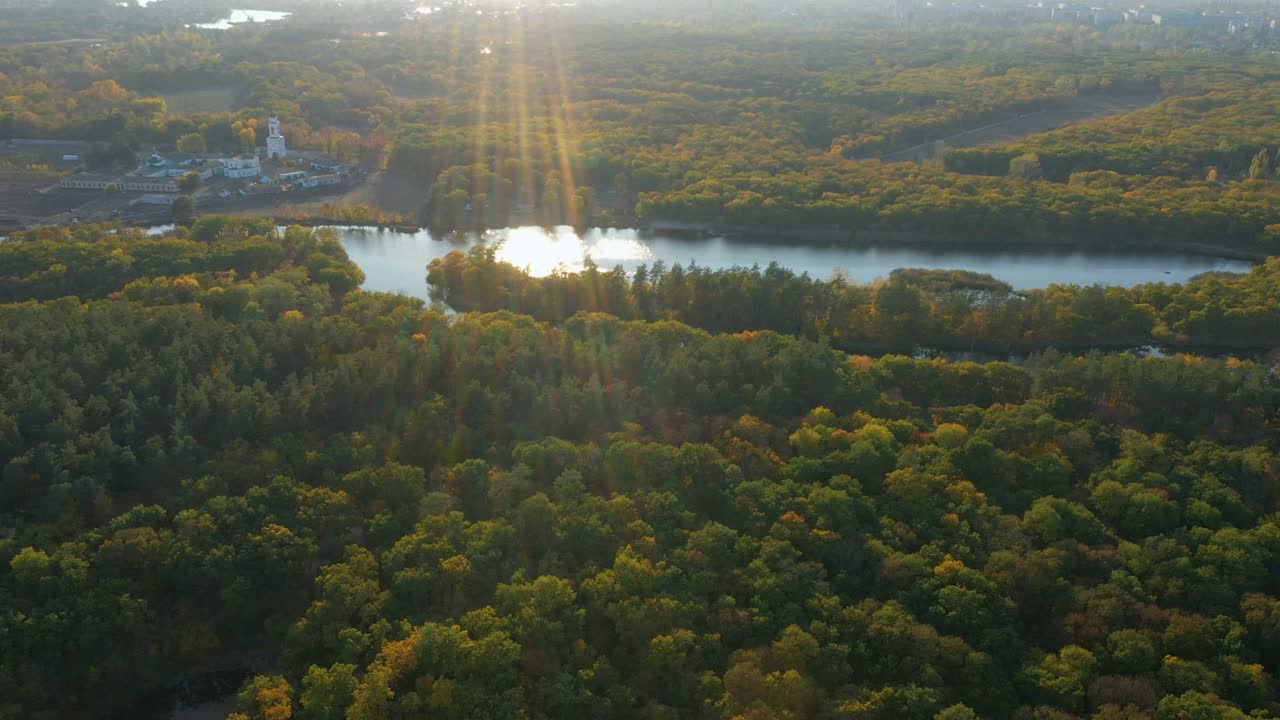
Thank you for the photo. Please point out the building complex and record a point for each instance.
(160, 173)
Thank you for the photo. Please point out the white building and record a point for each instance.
(242, 166)
(204, 171)
(158, 166)
(87, 181)
(123, 183)
(320, 180)
(140, 184)
(275, 141)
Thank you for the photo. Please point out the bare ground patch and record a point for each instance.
(1081, 109)
(394, 194)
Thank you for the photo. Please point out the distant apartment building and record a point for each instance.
(1065, 13)
(1037, 13)
(1191, 20)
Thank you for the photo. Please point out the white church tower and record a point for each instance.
(275, 141)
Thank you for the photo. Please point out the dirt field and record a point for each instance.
(28, 169)
(1082, 109)
(23, 201)
(396, 194)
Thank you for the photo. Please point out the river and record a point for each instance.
(396, 261)
(239, 17)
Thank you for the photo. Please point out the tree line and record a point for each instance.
(909, 310)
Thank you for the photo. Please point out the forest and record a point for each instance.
(1221, 132)
(595, 117)
(220, 445)
(671, 494)
(912, 309)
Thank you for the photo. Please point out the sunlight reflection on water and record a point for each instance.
(544, 251)
(397, 261)
(238, 17)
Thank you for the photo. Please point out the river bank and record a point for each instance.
(867, 238)
(1267, 353)
(939, 241)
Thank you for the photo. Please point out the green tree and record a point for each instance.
(1064, 676)
(192, 143)
(189, 183)
(956, 712)
(266, 697)
(327, 692)
(1026, 167)
(183, 210)
(1131, 652)
(1260, 167)
(1196, 706)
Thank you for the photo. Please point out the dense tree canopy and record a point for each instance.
(212, 449)
(680, 493)
(912, 309)
(592, 117)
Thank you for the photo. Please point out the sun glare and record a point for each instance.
(544, 251)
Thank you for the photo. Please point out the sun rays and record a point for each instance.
(513, 74)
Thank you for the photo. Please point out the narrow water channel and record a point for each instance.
(396, 261)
